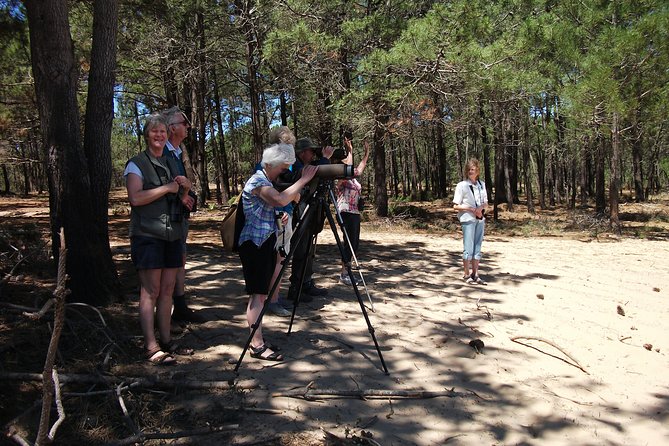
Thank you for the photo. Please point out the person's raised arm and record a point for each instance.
(363, 162)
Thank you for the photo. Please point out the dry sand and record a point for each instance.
(579, 373)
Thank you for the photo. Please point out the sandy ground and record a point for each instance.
(579, 373)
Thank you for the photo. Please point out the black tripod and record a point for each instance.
(321, 198)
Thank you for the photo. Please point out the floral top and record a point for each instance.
(348, 193)
(260, 222)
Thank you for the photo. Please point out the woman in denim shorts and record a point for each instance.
(471, 201)
(156, 237)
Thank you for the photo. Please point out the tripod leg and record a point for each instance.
(328, 214)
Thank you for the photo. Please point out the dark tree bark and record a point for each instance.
(283, 108)
(5, 176)
(200, 112)
(222, 164)
(614, 181)
(71, 194)
(600, 186)
(97, 136)
(442, 182)
(253, 57)
(380, 190)
(527, 165)
(394, 171)
(486, 154)
(415, 188)
(584, 172)
(637, 162)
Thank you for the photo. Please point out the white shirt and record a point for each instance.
(473, 197)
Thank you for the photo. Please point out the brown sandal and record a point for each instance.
(159, 357)
(174, 348)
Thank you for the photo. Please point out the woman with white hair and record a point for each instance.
(258, 236)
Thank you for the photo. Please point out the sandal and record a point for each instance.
(159, 357)
(465, 277)
(174, 348)
(470, 280)
(480, 281)
(271, 346)
(258, 353)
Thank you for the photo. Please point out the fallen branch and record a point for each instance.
(141, 438)
(126, 416)
(151, 382)
(312, 394)
(61, 292)
(575, 363)
(59, 406)
(484, 307)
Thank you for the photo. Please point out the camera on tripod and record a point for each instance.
(325, 172)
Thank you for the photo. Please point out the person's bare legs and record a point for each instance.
(148, 296)
(253, 309)
(164, 303)
(180, 283)
(277, 270)
(475, 268)
(465, 265)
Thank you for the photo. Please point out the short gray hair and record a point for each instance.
(278, 154)
(171, 113)
(154, 120)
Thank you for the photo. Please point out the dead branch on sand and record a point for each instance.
(141, 437)
(314, 394)
(575, 363)
(146, 382)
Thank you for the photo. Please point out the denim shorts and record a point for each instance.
(154, 253)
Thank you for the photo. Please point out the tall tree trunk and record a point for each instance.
(614, 181)
(97, 140)
(5, 176)
(637, 160)
(394, 171)
(283, 108)
(222, 164)
(253, 55)
(584, 171)
(600, 186)
(200, 111)
(380, 189)
(414, 164)
(70, 192)
(527, 165)
(486, 154)
(138, 126)
(442, 181)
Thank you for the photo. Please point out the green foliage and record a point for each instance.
(422, 65)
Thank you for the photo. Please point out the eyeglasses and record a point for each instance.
(185, 122)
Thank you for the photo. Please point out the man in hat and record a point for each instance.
(306, 153)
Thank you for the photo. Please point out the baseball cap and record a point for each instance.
(303, 144)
